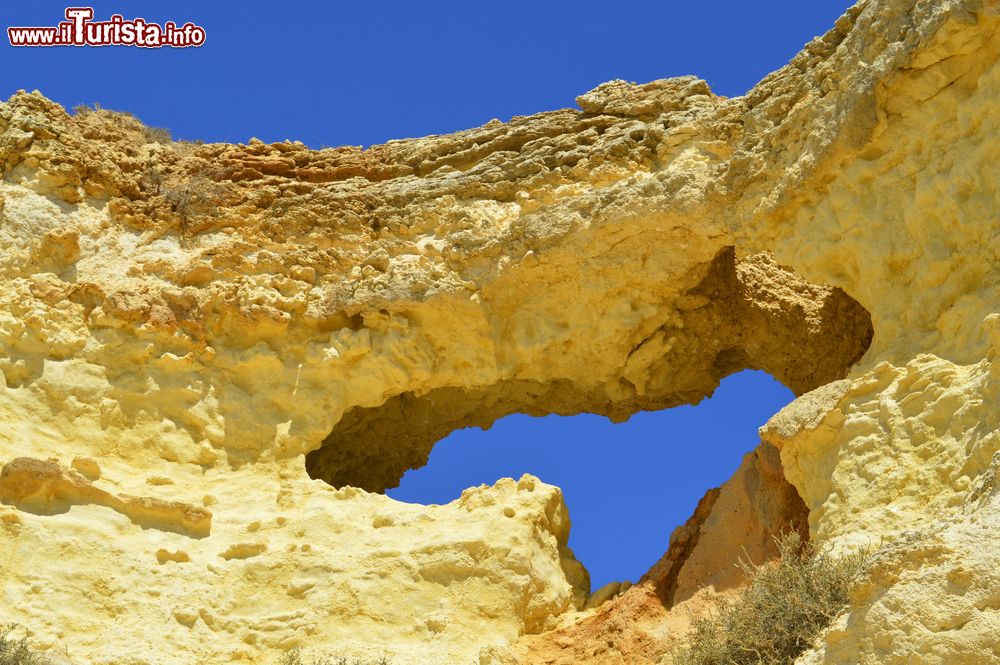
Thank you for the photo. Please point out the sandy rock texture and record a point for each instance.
(214, 357)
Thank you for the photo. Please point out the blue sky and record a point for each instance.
(336, 73)
(627, 485)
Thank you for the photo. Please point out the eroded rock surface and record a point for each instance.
(191, 323)
(754, 314)
(46, 487)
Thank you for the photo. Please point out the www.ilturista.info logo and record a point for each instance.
(79, 29)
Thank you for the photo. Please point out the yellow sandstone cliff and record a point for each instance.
(214, 357)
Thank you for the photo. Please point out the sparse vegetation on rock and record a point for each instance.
(296, 657)
(16, 651)
(150, 134)
(776, 618)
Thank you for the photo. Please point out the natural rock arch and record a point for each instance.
(746, 314)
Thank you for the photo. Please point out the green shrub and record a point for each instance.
(16, 652)
(777, 617)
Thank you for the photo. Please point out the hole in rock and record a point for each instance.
(627, 485)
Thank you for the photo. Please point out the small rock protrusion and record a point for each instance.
(87, 467)
(177, 556)
(606, 593)
(244, 550)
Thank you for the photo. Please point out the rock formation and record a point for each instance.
(214, 357)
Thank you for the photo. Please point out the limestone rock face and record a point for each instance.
(213, 358)
(734, 522)
(731, 523)
(907, 456)
(309, 567)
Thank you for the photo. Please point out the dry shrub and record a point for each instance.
(196, 194)
(157, 135)
(779, 615)
(295, 657)
(189, 196)
(149, 134)
(16, 652)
